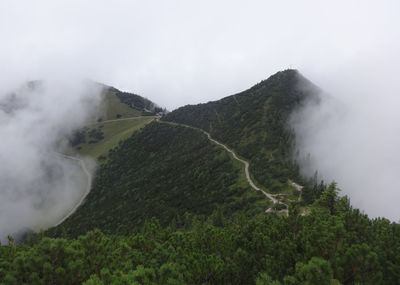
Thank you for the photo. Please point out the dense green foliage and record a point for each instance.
(174, 208)
(167, 172)
(254, 124)
(333, 243)
(168, 206)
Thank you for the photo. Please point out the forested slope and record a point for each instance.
(254, 124)
(333, 245)
(167, 172)
(174, 208)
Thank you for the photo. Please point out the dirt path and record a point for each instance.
(298, 188)
(246, 168)
(123, 119)
(88, 187)
(252, 184)
(249, 180)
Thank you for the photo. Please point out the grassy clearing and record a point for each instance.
(113, 133)
(112, 108)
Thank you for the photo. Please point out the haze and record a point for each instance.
(181, 52)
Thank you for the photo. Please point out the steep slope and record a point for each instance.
(118, 104)
(119, 115)
(172, 168)
(168, 172)
(254, 124)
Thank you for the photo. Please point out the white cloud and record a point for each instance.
(38, 186)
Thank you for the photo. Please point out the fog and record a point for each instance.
(352, 137)
(185, 52)
(179, 52)
(37, 185)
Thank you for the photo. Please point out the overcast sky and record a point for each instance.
(180, 52)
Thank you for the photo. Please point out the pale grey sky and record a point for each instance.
(177, 52)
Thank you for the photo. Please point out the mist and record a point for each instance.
(37, 185)
(352, 137)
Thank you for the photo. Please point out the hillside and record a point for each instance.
(171, 204)
(118, 104)
(120, 114)
(254, 124)
(324, 248)
(170, 168)
(168, 172)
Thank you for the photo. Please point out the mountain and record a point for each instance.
(254, 124)
(170, 169)
(163, 171)
(189, 199)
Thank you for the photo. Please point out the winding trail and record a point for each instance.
(88, 186)
(298, 188)
(249, 180)
(123, 119)
(246, 169)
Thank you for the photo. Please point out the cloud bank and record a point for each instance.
(37, 185)
(353, 136)
(179, 52)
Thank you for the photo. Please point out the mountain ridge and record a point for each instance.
(281, 179)
(254, 124)
(172, 206)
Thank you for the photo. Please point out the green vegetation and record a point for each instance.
(117, 104)
(333, 245)
(168, 172)
(168, 206)
(112, 132)
(254, 124)
(137, 102)
(113, 108)
(120, 114)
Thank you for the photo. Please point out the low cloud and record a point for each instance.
(352, 137)
(37, 185)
